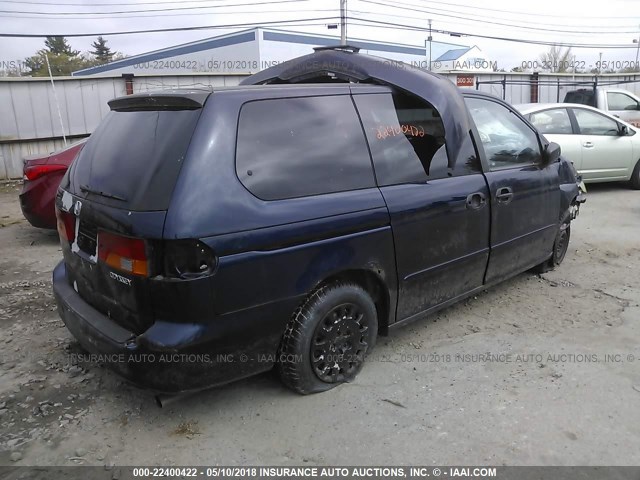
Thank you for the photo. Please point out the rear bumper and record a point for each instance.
(37, 201)
(167, 358)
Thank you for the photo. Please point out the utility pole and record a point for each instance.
(343, 22)
(637, 52)
(600, 64)
(55, 97)
(430, 39)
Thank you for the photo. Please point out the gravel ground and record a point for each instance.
(538, 370)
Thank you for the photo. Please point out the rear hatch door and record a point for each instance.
(112, 203)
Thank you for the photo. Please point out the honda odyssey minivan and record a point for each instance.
(209, 235)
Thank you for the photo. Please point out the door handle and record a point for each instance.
(504, 195)
(476, 200)
(587, 144)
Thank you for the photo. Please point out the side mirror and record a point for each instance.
(622, 130)
(551, 153)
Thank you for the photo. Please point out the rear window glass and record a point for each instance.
(298, 147)
(581, 96)
(133, 159)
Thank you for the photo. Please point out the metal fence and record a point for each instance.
(547, 88)
(34, 118)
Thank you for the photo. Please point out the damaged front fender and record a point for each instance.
(573, 191)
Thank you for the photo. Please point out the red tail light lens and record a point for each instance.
(66, 223)
(123, 253)
(36, 171)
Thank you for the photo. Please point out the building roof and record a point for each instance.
(191, 47)
(269, 34)
(453, 54)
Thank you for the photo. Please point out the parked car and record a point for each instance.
(620, 103)
(42, 175)
(288, 225)
(603, 148)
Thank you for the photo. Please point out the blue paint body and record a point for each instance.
(419, 247)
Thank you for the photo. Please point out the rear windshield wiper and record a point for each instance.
(86, 188)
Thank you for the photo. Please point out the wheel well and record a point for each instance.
(374, 286)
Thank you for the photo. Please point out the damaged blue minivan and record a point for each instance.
(209, 235)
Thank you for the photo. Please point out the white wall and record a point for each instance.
(29, 122)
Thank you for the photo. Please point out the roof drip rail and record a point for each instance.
(343, 48)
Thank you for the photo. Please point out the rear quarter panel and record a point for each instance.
(271, 253)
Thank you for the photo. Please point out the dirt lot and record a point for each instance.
(562, 384)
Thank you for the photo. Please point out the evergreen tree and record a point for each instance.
(101, 51)
(62, 59)
(60, 46)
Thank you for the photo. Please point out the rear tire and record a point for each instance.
(560, 247)
(327, 339)
(635, 177)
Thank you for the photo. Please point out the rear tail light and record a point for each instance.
(31, 172)
(188, 259)
(66, 223)
(123, 253)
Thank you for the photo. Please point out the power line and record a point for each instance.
(527, 14)
(161, 15)
(306, 22)
(57, 4)
(431, 12)
(297, 22)
(253, 4)
(483, 8)
(382, 24)
(473, 22)
(420, 8)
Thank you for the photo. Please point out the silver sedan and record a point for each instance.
(602, 148)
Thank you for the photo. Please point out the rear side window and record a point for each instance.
(406, 136)
(133, 158)
(296, 147)
(552, 121)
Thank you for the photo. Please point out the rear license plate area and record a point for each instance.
(87, 238)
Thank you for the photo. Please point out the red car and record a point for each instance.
(42, 175)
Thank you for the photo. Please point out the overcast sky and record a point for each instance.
(614, 22)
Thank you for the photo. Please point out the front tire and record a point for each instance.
(560, 247)
(635, 177)
(328, 337)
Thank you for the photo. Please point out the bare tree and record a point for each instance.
(557, 60)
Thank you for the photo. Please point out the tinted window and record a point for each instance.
(585, 97)
(136, 157)
(620, 101)
(506, 139)
(297, 147)
(592, 123)
(552, 121)
(406, 137)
